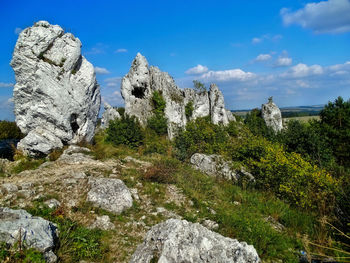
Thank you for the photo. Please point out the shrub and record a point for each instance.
(257, 125)
(189, 110)
(158, 122)
(156, 144)
(162, 171)
(199, 87)
(200, 136)
(126, 130)
(9, 130)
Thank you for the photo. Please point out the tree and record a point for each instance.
(335, 119)
(257, 125)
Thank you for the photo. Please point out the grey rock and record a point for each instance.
(9, 188)
(109, 114)
(230, 116)
(212, 225)
(142, 81)
(56, 96)
(52, 203)
(26, 193)
(181, 241)
(50, 257)
(75, 155)
(110, 194)
(103, 222)
(218, 112)
(214, 165)
(272, 115)
(34, 232)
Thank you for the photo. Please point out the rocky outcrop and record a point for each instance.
(181, 241)
(34, 232)
(272, 115)
(56, 96)
(218, 112)
(137, 90)
(109, 194)
(214, 165)
(109, 114)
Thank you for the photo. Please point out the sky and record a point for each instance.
(296, 51)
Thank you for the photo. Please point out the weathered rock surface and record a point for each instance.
(34, 232)
(109, 194)
(137, 90)
(109, 114)
(272, 115)
(56, 96)
(218, 112)
(103, 222)
(181, 241)
(214, 165)
(75, 155)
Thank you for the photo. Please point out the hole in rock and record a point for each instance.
(73, 123)
(139, 92)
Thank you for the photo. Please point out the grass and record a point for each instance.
(27, 163)
(19, 255)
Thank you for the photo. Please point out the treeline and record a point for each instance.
(290, 114)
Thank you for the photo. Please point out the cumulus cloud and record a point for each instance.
(302, 70)
(6, 85)
(101, 71)
(263, 57)
(256, 40)
(330, 16)
(283, 62)
(121, 50)
(113, 82)
(18, 30)
(114, 98)
(227, 75)
(199, 69)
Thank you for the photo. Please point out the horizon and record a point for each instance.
(296, 51)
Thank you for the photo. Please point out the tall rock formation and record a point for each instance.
(56, 96)
(109, 114)
(272, 115)
(137, 90)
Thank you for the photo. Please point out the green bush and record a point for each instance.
(126, 130)
(9, 130)
(200, 136)
(257, 125)
(189, 110)
(199, 87)
(158, 122)
(156, 144)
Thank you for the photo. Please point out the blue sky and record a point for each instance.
(297, 51)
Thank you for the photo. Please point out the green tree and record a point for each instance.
(9, 130)
(257, 125)
(199, 87)
(189, 110)
(158, 122)
(335, 118)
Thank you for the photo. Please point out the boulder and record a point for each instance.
(109, 194)
(56, 95)
(137, 89)
(214, 165)
(34, 232)
(272, 115)
(109, 114)
(181, 241)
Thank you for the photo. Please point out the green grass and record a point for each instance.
(27, 163)
(15, 255)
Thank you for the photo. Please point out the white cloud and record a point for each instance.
(102, 71)
(263, 57)
(283, 62)
(121, 50)
(256, 40)
(113, 82)
(18, 30)
(199, 69)
(332, 16)
(228, 75)
(6, 85)
(303, 70)
(114, 99)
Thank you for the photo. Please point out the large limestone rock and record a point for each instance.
(272, 115)
(109, 194)
(137, 90)
(56, 96)
(34, 232)
(180, 241)
(109, 114)
(217, 106)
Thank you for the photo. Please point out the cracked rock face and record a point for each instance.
(137, 90)
(56, 96)
(110, 114)
(272, 115)
(181, 241)
(35, 232)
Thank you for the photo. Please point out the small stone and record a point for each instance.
(9, 188)
(103, 222)
(134, 193)
(212, 225)
(52, 203)
(26, 193)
